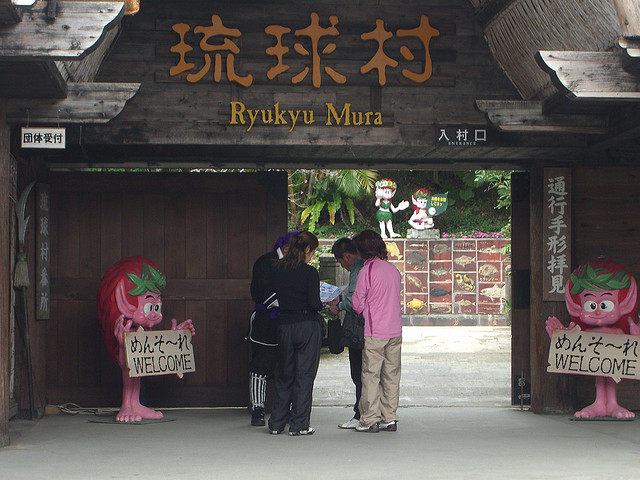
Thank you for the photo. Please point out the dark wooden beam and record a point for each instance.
(41, 79)
(528, 117)
(52, 9)
(5, 274)
(487, 10)
(631, 47)
(9, 13)
(591, 79)
(85, 103)
(78, 29)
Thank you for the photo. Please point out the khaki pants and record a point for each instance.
(380, 380)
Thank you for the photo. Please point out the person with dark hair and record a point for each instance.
(377, 297)
(263, 327)
(346, 254)
(297, 286)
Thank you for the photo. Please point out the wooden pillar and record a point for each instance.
(5, 275)
(520, 298)
(550, 392)
(629, 15)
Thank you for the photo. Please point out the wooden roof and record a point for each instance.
(50, 54)
(574, 64)
(577, 67)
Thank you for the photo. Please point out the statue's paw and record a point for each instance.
(592, 411)
(146, 412)
(621, 412)
(127, 417)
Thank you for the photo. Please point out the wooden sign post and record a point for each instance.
(159, 352)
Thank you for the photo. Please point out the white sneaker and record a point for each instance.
(351, 424)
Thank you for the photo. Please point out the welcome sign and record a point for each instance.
(596, 354)
(159, 352)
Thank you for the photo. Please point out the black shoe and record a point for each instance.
(257, 417)
(389, 427)
(306, 431)
(375, 428)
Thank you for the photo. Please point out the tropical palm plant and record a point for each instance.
(311, 192)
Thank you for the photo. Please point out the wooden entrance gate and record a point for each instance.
(204, 230)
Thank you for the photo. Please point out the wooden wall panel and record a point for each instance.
(199, 229)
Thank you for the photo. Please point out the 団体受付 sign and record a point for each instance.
(43, 137)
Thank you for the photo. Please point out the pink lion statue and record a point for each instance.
(129, 297)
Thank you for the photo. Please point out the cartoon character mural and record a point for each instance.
(422, 217)
(601, 296)
(385, 191)
(129, 297)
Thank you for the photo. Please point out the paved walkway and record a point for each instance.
(431, 443)
(441, 367)
(455, 423)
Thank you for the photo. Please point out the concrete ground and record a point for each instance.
(456, 423)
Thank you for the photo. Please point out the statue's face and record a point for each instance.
(386, 193)
(148, 314)
(599, 308)
(422, 202)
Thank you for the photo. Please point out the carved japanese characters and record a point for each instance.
(601, 296)
(385, 191)
(130, 297)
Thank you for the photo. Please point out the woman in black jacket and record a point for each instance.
(297, 286)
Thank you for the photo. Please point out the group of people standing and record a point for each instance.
(286, 331)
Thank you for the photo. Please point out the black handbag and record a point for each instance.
(353, 330)
(334, 335)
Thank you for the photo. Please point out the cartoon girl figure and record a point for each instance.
(129, 297)
(601, 296)
(421, 218)
(385, 191)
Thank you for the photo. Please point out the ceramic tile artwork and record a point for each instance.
(451, 276)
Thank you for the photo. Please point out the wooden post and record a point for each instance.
(5, 275)
(629, 15)
(550, 393)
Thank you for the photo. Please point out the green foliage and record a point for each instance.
(498, 180)
(472, 203)
(325, 194)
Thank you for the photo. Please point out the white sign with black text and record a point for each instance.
(43, 137)
(159, 352)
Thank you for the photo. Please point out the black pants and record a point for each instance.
(298, 358)
(355, 362)
(263, 359)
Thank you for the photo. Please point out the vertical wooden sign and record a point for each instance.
(42, 251)
(556, 223)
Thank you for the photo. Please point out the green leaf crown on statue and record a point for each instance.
(589, 278)
(151, 280)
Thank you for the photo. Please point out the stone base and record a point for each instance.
(429, 233)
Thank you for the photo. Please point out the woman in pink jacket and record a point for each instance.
(377, 297)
